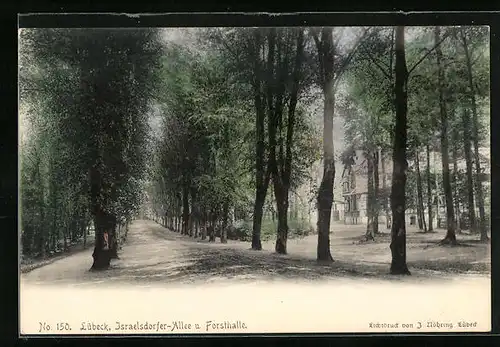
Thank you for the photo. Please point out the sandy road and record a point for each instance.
(163, 276)
(155, 255)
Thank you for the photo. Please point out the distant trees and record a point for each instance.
(215, 96)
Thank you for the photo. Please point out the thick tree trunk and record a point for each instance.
(475, 138)
(370, 233)
(420, 195)
(429, 187)
(325, 195)
(101, 253)
(398, 203)
(282, 207)
(450, 214)
(257, 220)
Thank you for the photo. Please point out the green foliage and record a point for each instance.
(85, 94)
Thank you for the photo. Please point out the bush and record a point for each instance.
(242, 229)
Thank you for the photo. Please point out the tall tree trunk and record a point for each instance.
(370, 233)
(466, 123)
(398, 203)
(450, 214)
(420, 195)
(262, 172)
(282, 184)
(429, 187)
(276, 153)
(326, 56)
(475, 138)
(456, 194)
(376, 192)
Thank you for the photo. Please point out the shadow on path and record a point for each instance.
(155, 255)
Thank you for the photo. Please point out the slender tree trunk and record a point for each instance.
(204, 226)
(85, 236)
(185, 211)
(196, 228)
(370, 233)
(325, 195)
(398, 231)
(384, 188)
(376, 192)
(429, 187)
(469, 178)
(450, 214)
(420, 195)
(456, 194)
(475, 138)
(225, 218)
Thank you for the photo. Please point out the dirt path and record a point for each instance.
(155, 255)
(162, 277)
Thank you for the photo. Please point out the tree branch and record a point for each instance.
(428, 52)
(381, 68)
(350, 56)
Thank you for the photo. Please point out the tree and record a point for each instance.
(398, 231)
(465, 38)
(331, 65)
(450, 214)
(98, 115)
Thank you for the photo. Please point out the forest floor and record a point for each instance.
(163, 276)
(154, 254)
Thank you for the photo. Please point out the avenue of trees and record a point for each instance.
(237, 131)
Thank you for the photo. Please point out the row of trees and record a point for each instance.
(211, 152)
(244, 104)
(84, 96)
(447, 85)
(236, 131)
